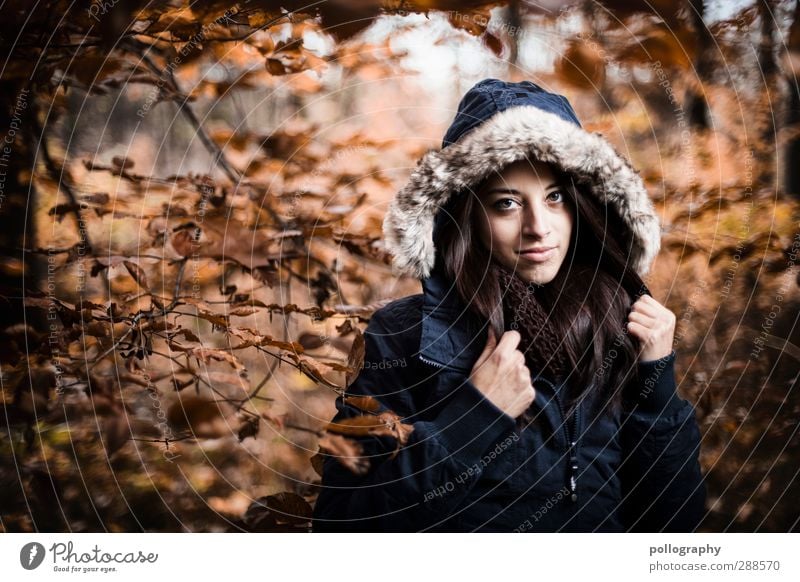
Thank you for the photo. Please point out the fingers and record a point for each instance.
(510, 340)
(653, 325)
(641, 319)
(649, 313)
(644, 325)
(641, 332)
(525, 374)
(502, 374)
(647, 306)
(504, 353)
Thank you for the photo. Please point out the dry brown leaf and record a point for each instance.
(355, 360)
(208, 354)
(185, 242)
(346, 451)
(116, 433)
(138, 274)
(581, 66)
(364, 403)
(274, 512)
(366, 425)
(275, 67)
(262, 340)
(122, 164)
(248, 428)
(204, 418)
(317, 463)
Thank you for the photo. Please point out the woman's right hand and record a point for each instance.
(502, 376)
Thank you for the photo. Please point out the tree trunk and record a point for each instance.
(766, 146)
(792, 152)
(696, 103)
(18, 270)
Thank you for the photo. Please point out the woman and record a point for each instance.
(536, 369)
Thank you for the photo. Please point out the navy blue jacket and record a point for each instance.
(468, 466)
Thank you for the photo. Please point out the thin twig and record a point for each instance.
(318, 433)
(60, 179)
(185, 108)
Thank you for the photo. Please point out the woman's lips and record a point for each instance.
(538, 256)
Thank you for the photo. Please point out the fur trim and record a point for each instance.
(506, 137)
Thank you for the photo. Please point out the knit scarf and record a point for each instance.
(523, 312)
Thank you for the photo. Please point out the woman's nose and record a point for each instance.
(535, 222)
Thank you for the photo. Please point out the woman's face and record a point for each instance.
(525, 220)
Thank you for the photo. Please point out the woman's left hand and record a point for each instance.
(654, 326)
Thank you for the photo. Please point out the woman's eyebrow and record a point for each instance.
(515, 191)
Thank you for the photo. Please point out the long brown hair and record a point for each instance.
(587, 302)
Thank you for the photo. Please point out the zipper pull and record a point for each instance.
(573, 471)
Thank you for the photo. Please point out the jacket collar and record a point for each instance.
(452, 335)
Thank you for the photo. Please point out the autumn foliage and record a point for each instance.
(192, 232)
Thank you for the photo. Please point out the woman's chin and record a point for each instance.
(538, 276)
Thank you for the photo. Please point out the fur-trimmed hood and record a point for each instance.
(499, 123)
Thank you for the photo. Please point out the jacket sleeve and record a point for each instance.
(662, 486)
(439, 464)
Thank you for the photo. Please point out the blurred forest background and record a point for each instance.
(190, 210)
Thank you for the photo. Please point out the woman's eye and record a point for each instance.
(505, 204)
(558, 194)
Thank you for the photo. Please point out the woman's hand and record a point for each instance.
(654, 326)
(502, 376)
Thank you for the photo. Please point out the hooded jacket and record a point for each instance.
(467, 465)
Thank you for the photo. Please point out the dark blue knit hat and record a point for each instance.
(492, 95)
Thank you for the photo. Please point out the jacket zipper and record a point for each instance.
(572, 472)
(432, 363)
(572, 445)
